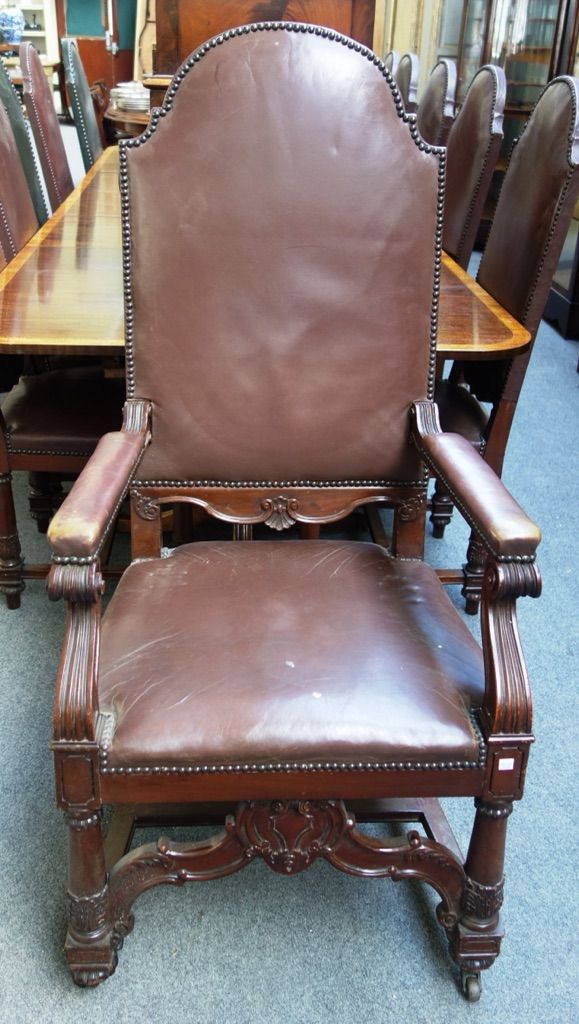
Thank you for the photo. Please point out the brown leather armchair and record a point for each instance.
(472, 151)
(406, 76)
(436, 108)
(280, 680)
(530, 224)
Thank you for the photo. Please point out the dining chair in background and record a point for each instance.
(50, 422)
(435, 112)
(281, 679)
(13, 106)
(81, 101)
(531, 220)
(472, 150)
(45, 127)
(391, 62)
(406, 77)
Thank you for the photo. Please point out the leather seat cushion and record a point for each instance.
(460, 413)
(301, 651)
(63, 411)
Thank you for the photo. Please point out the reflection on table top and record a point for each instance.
(63, 292)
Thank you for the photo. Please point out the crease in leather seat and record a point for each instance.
(79, 94)
(12, 104)
(45, 128)
(472, 152)
(530, 223)
(280, 353)
(406, 77)
(436, 108)
(387, 672)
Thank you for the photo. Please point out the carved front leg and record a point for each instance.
(91, 945)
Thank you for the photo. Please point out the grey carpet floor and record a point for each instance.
(321, 947)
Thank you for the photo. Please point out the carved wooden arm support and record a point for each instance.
(478, 493)
(79, 528)
(76, 534)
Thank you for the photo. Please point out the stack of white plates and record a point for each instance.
(130, 96)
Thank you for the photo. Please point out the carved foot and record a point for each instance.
(11, 564)
(89, 966)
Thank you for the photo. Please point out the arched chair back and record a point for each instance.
(45, 128)
(18, 220)
(80, 99)
(391, 61)
(11, 102)
(406, 76)
(436, 108)
(472, 150)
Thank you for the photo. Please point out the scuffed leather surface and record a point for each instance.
(63, 410)
(467, 150)
(480, 491)
(45, 128)
(460, 413)
(297, 650)
(11, 102)
(80, 523)
(437, 104)
(287, 283)
(82, 105)
(18, 222)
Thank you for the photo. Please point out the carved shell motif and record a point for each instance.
(280, 512)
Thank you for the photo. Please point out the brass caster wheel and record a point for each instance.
(471, 987)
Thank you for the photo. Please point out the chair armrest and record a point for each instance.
(476, 490)
(82, 522)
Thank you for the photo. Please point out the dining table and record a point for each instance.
(63, 293)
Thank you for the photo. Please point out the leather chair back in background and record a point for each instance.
(18, 220)
(392, 60)
(45, 128)
(472, 152)
(81, 101)
(436, 108)
(13, 107)
(406, 76)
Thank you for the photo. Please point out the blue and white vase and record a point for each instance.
(11, 23)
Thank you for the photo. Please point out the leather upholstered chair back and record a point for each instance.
(436, 108)
(45, 128)
(290, 283)
(81, 102)
(531, 218)
(406, 76)
(11, 102)
(392, 60)
(17, 217)
(472, 151)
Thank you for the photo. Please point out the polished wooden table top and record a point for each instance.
(63, 292)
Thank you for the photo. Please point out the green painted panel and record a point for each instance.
(83, 18)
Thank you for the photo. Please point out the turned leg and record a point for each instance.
(441, 510)
(45, 495)
(11, 563)
(474, 569)
(91, 946)
(475, 942)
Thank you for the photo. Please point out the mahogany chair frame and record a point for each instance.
(287, 813)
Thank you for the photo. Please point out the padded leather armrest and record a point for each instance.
(82, 521)
(478, 493)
